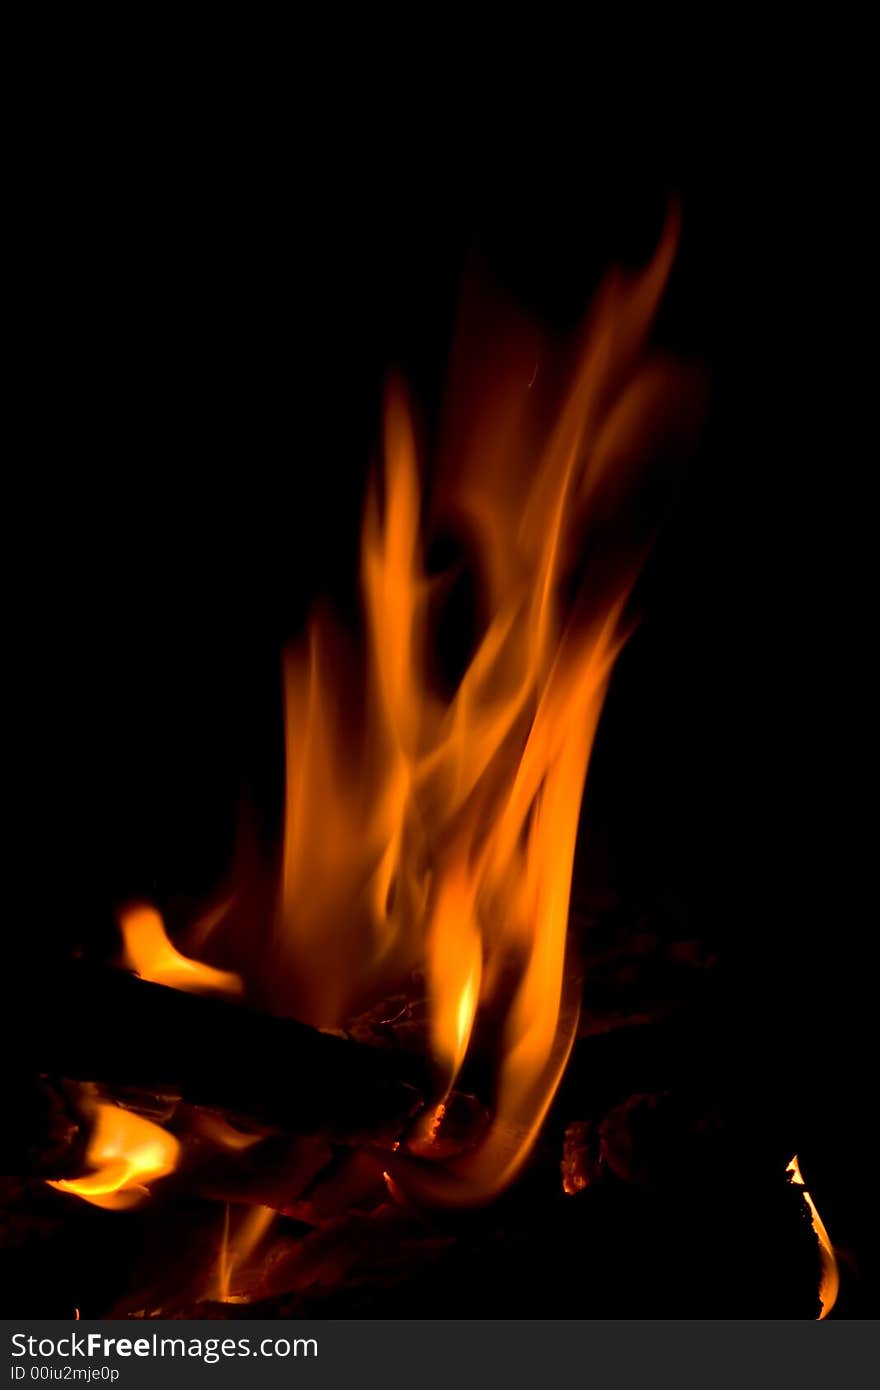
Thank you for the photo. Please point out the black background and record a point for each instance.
(210, 317)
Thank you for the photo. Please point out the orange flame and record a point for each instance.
(829, 1283)
(148, 951)
(237, 1247)
(443, 840)
(127, 1152)
(219, 1131)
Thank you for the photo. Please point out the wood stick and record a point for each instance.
(98, 1024)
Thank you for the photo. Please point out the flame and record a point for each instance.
(829, 1283)
(431, 814)
(148, 951)
(219, 1131)
(236, 1248)
(442, 840)
(127, 1152)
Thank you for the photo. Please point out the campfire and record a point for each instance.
(400, 1050)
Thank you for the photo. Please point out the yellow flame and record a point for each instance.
(830, 1281)
(454, 948)
(148, 951)
(127, 1152)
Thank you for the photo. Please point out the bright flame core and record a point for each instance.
(127, 1152)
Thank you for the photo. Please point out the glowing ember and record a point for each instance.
(127, 1153)
(830, 1281)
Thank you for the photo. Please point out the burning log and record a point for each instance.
(106, 1026)
(140, 1039)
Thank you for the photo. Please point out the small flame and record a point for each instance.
(148, 951)
(830, 1280)
(236, 1248)
(455, 962)
(127, 1152)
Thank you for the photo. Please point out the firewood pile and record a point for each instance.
(639, 1200)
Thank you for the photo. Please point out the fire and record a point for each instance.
(224, 1135)
(148, 951)
(237, 1247)
(127, 1153)
(431, 813)
(830, 1280)
(442, 839)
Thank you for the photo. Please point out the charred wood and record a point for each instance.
(102, 1025)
